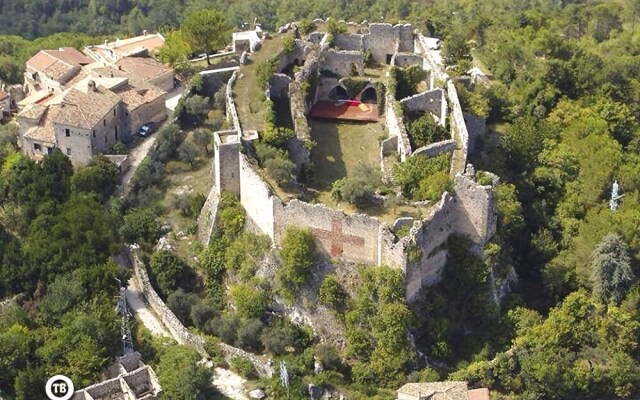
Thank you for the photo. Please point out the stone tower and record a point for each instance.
(476, 205)
(227, 162)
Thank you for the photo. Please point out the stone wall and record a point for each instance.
(256, 198)
(430, 236)
(227, 162)
(476, 127)
(337, 234)
(349, 42)
(458, 127)
(298, 145)
(325, 86)
(407, 60)
(432, 101)
(395, 127)
(279, 85)
(434, 149)
(477, 211)
(179, 332)
(232, 114)
(340, 62)
(168, 318)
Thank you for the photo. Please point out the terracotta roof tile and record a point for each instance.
(144, 67)
(44, 132)
(134, 97)
(450, 390)
(86, 110)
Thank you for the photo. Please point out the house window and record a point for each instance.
(114, 112)
(67, 132)
(68, 151)
(116, 133)
(104, 122)
(94, 133)
(37, 147)
(49, 150)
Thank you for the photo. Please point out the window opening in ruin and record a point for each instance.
(369, 96)
(67, 132)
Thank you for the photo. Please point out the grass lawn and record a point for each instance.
(249, 101)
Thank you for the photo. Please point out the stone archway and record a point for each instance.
(369, 95)
(338, 93)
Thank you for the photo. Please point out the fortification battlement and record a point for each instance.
(471, 211)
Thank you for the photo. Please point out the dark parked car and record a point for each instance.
(147, 129)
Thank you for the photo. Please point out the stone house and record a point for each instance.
(110, 52)
(450, 390)
(52, 70)
(89, 118)
(147, 70)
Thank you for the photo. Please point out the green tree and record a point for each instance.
(175, 49)
(612, 274)
(298, 256)
(205, 30)
(170, 272)
(456, 49)
(182, 377)
(203, 137)
(188, 152)
(250, 302)
(140, 225)
(332, 293)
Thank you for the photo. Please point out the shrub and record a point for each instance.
(332, 293)
(248, 337)
(245, 254)
(298, 256)
(220, 98)
(359, 189)
(181, 303)
(250, 302)
(232, 216)
(283, 334)
(406, 80)
(425, 130)
(336, 189)
(484, 179)
(140, 225)
(305, 26)
(201, 313)
(281, 170)
(409, 173)
(266, 152)
(289, 43)
(170, 271)
(224, 327)
(277, 136)
(264, 71)
(243, 366)
(433, 186)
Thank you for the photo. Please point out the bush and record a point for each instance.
(201, 313)
(409, 173)
(224, 327)
(406, 80)
(245, 253)
(189, 205)
(283, 334)
(336, 189)
(170, 272)
(298, 256)
(277, 136)
(264, 71)
(140, 225)
(181, 303)
(359, 189)
(281, 170)
(332, 293)
(232, 216)
(305, 26)
(248, 337)
(289, 43)
(215, 120)
(250, 302)
(244, 367)
(425, 130)
(433, 186)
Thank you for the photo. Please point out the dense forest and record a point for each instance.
(563, 112)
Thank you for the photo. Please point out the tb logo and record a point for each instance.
(59, 387)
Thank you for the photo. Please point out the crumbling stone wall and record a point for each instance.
(476, 127)
(227, 163)
(345, 41)
(385, 40)
(279, 85)
(325, 86)
(298, 145)
(341, 62)
(208, 216)
(434, 149)
(404, 60)
(431, 100)
(179, 332)
(395, 127)
(458, 127)
(232, 113)
(477, 211)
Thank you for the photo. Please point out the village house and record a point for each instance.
(54, 70)
(140, 46)
(5, 105)
(450, 390)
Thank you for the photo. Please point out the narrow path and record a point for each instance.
(229, 384)
(135, 158)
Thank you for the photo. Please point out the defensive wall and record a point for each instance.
(381, 39)
(178, 331)
(359, 237)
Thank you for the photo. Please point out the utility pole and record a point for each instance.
(123, 310)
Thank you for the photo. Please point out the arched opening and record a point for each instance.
(338, 93)
(369, 95)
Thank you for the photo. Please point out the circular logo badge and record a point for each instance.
(59, 387)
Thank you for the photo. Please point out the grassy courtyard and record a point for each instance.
(340, 146)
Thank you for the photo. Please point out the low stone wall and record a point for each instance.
(458, 127)
(168, 318)
(179, 332)
(256, 198)
(341, 62)
(407, 60)
(232, 114)
(432, 101)
(434, 149)
(396, 127)
(344, 41)
(298, 144)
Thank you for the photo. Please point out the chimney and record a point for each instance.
(91, 86)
